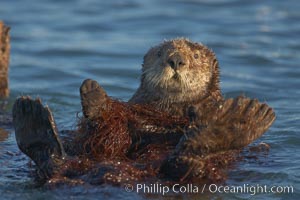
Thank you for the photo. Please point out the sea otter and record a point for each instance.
(178, 112)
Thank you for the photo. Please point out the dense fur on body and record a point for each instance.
(174, 89)
(151, 133)
(182, 78)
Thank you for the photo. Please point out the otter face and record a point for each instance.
(179, 70)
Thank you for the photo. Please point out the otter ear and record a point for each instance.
(215, 64)
(145, 58)
(195, 46)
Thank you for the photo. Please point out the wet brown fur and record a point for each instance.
(177, 126)
(116, 128)
(105, 152)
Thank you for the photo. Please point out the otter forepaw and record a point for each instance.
(93, 98)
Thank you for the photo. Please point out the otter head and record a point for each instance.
(179, 71)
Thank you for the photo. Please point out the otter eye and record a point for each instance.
(196, 56)
(159, 53)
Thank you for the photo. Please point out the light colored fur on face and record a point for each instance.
(189, 82)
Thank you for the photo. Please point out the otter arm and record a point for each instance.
(237, 123)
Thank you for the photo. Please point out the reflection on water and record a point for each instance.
(58, 44)
(3, 134)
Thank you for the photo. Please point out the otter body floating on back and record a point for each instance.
(180, 79)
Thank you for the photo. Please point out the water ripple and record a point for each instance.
(55, 45)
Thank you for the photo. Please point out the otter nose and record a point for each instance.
(176, 61)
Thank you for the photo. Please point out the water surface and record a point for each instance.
(58, 44)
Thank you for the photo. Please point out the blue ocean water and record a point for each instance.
(55, 45)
